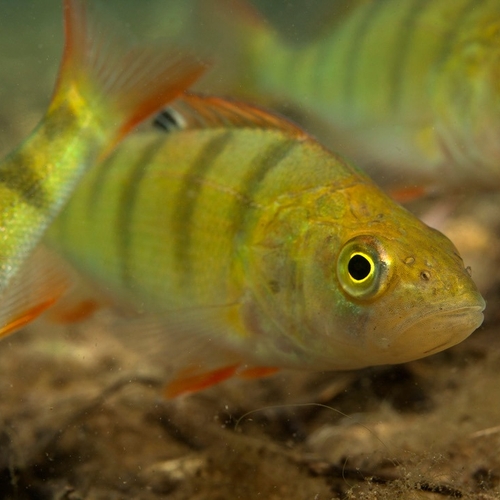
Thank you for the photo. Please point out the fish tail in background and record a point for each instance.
(122, 82)
(106, 86)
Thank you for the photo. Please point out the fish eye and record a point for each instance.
(363, 268)
(360, 267)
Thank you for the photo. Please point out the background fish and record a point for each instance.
(105, 87)
(408, 89)
(254, 246)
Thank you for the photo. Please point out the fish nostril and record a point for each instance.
(425, 275)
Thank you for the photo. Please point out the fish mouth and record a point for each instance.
(457, 313)
(467, 319)
(439, 329)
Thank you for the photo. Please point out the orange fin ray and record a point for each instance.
(124, 82)
(257, 372)
(192, 348)
(409, 193)
(186, 382)
(189, 381)
(193, 111)
(39, 284)
(76, 312)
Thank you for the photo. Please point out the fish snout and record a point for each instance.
(439, 328)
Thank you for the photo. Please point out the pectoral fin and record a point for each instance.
(40, 283)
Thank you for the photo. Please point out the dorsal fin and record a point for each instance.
(193, 111)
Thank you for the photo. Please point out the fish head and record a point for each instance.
(366, 284)
(398, 289)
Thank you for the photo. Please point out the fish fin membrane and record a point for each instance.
(191, 380)
(194, 378)
(194, 111)
(121, 82)
(80, 303)
(190, 348)
(40, 283)
(75, 312)
(407, 194)
(257, 372)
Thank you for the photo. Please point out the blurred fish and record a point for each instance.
(408, 89)
(255, 247)
(105, 87)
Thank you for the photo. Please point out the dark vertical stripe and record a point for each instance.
(24, 172)
(321, 81)
(403, 43)
(187, 198)
(352, 61)
(119, 160)
(260, 167)
(450, 37)
(67, 223)
(19, 174)
(126, 207)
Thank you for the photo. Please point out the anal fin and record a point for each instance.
(187, 382)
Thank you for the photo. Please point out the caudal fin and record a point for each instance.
(119, 81)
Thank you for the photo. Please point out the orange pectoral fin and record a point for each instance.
(257, 372)
(41, 282)
(187, 381)
(15, 323)
(74, 313)
(408, 193)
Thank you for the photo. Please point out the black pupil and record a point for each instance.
(359, 267)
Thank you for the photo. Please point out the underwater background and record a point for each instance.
(82, 418)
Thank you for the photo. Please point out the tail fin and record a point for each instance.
(118, 80)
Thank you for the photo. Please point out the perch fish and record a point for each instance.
(257, 248)
(105, 87)
(408, 89)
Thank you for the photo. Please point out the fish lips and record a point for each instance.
(439, 329)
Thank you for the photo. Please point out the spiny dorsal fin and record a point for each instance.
(193, 111)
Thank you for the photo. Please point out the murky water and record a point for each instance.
(77, 421)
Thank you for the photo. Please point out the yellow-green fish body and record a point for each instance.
(105, 87)
(409, 88)
(243, 232)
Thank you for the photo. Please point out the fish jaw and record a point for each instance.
(420, 336)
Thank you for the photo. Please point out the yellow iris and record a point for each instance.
(362, 268)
